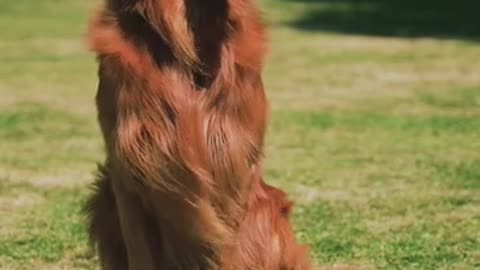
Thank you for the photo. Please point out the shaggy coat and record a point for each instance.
(182, 109)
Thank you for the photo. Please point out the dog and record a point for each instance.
(182, 109)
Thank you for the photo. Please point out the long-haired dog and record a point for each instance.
(182, 109)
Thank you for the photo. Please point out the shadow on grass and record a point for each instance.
(403, 18)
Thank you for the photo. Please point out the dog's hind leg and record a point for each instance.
(104, 225)
(134, 224)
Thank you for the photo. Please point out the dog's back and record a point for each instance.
(183, 113)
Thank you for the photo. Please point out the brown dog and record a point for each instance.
(183, 113)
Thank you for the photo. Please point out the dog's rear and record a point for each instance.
(183, 112)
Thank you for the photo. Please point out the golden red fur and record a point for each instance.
(183, 112)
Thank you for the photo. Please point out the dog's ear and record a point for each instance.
(169, 19)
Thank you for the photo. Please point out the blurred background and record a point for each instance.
(375, 130)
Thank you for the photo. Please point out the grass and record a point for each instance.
(375, 136)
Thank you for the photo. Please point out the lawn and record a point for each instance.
(375, 133)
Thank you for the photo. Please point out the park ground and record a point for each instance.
(375, 132)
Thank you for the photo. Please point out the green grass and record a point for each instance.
(376, 138)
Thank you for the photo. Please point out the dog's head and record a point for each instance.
(179, 22)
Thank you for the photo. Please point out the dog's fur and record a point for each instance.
(183, 113)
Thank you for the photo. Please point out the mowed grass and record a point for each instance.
(376, 140)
